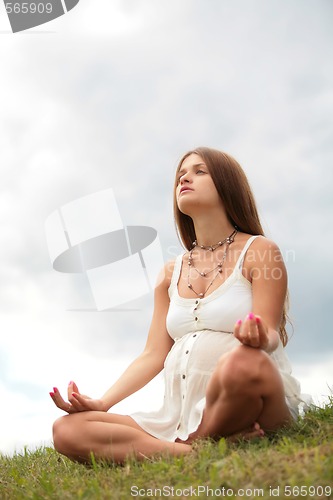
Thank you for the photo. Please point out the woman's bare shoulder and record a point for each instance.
(264, 250)
(264, 243)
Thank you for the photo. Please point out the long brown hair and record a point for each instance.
(238, 200)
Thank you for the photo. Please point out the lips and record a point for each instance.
(184, 189)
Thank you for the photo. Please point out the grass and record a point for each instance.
(295, 463)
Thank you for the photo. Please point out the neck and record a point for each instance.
(210, 230)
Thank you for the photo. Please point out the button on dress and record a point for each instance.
(202, 329)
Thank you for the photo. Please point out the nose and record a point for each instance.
(184, 178)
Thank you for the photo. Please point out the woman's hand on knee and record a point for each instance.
(252, 332)
(76, 402)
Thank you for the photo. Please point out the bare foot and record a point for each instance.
(252, 432)
(247, 434)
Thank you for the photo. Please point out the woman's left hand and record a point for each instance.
(252, 332)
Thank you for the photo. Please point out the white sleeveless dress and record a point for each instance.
(202, 329)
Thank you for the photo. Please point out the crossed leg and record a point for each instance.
(109, 436)
(245, 388)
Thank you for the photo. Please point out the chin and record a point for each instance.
(185, 208)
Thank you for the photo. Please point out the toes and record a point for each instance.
(248, 434)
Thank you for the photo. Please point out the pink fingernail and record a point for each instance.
(251, 316)
(70, 382)
(55, 389)
(51, 394)
(257, 320)
(239, 322)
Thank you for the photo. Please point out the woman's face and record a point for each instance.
(195, 188)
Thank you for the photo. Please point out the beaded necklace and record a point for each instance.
(227, 242)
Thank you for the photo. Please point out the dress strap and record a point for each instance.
(175, 274)
(240, 261)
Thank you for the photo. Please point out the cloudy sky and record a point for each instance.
(111, 98)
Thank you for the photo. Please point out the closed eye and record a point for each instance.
(182, 173)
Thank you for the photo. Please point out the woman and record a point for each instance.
(218, 329)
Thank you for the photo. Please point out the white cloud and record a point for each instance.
(316, 378)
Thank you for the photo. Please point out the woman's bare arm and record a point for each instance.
(269, 286)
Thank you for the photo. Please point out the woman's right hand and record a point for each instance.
(76, 402)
